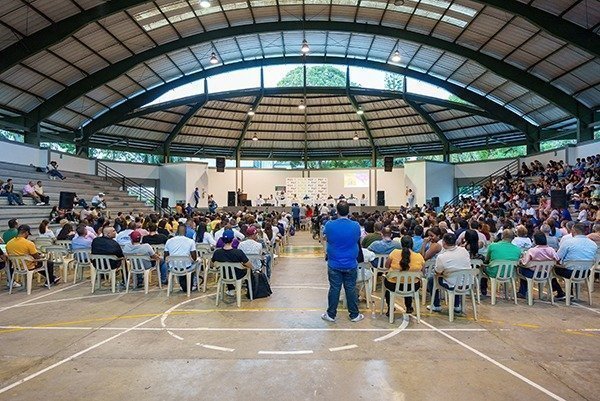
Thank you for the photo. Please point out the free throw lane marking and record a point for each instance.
(299, 352)
(343, 348)
(498, 364)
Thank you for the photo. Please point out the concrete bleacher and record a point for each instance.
(84, 185)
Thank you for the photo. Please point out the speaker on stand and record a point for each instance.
(66, 200)
(164, 203)
(435, 201)
(558, 199)
(220, 165)
(388, 163)
(380, 198)
(231, 195)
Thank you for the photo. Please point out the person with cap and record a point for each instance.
(98, 201)
(139, 249)
(228, 254)
(21, 246)
(250, 246)
(180, 245)
(342, 236)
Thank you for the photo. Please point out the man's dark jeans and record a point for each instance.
(347, 278)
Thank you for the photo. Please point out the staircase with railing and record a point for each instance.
(133, 188)
(473, 190)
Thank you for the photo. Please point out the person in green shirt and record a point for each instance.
(373, 233)
(11, 232)
(502, 250)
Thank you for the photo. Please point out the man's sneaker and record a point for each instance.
(435, 308)
(409, 310)
(194, 288)
(521, 296)
(358, 318)
(458, 310)
(15, 285)
(56, 280)
(325, 316)
(40, 204)
(560, 297)
(231, 293)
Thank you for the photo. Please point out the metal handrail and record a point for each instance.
(512, 167)
(125, 182)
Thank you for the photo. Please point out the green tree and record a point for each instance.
(456, 99)
(394, 82)
(319, 75)
(488, 154)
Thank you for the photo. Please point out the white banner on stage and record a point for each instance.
(307, 188)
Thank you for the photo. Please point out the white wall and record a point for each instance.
(219, 184)
(135, 170)
(72, 163)
(173, 182)
(255, 182)
(415, 177)
(544, 158)
(19, 153)
(393, 184)
(583, 150)
(479, 169)
(335, 182)
(439, 181)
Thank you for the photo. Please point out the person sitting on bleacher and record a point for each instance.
(52, 170)
(13, 197)
(98, 201)
(29, 190)
(39, 191)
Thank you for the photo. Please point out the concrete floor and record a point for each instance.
(67, 344)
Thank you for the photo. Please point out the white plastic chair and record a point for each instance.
(409, 281)
(65, 243)
(20, 268)
(101, 267)
(42, 243)
(81, 260)
(204, 252)
(56, 254)
(464, 280)
(542, 275)
(428, 274)
(381, 258)
(580, 273)
(181, 266)
(477, 264)
(506, 274)
(364, 279)
(227, 276)
(136, 266)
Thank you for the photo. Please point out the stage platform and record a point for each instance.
(279, 209)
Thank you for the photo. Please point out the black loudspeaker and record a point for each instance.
(247, 202)
(380, 198)
(435, 201)
(66, 200)
(558, 199)
(164, 203)
(388, 163)
(221, 165)
(231, 198)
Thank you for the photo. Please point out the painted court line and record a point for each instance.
(216, 348)
(28, 301)
(175, 335)
(498, 364)
(345, 347)
(70, 358)
(400, 328)
(300, 352)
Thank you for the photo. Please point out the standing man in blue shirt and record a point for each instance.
(342, 236)
(296, 215)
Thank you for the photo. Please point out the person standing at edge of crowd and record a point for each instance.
(342, 237)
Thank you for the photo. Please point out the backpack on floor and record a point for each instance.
(260, 285)
(292, 230)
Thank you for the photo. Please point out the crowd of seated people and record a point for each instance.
(90, 228)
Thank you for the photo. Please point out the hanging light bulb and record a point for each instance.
(301, 106)
(355, 136)
(251, 112)
(213, 58)
(396, 57)
(360, 111)
(255, 138)
(204, 3)
(304, 49)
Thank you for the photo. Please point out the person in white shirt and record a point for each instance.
(45, 232)
(98, 201)
(250, 246)
(123, 238)
(203, 236)
(363, 200)
(260, 201)
(352, 200)
(451, 259)
(522, 240)
(136, 248)
(180, 245)
(582, 217)
(236, 232)
(29, 191)
(324, 209)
